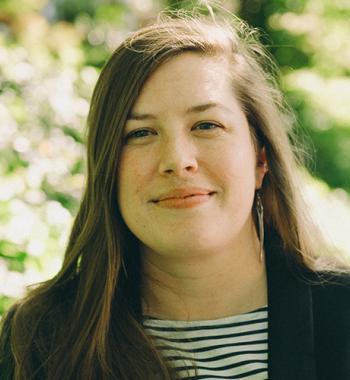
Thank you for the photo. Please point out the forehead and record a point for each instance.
(189, 78)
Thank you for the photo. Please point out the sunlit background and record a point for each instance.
(51, 53)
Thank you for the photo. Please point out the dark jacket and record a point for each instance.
(309, 321)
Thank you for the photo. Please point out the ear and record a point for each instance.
(261, 167)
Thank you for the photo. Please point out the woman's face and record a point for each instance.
(188, 140)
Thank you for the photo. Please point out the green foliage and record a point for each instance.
(309, 40)
(5, 304)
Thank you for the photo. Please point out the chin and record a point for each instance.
(193, 247)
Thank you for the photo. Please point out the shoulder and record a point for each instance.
(331, 325)
(331, 306)
(331, 290)
(31, 328)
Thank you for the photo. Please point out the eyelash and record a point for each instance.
(132, 134)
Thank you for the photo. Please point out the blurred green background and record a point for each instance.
(51, 52)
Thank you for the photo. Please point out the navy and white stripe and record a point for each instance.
(227, 348)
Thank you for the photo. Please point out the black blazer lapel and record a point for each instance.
(291, 340)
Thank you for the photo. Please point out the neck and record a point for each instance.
(210, 286)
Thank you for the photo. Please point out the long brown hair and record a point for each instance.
(86, 322)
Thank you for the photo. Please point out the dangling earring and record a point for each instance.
(260, 213)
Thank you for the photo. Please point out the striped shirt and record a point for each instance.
(226, 348)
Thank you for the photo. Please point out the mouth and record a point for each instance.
(189, 201)
(194, 195)
(184, 196)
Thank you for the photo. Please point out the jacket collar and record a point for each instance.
(291, 341)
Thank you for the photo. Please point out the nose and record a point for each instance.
(177, 157)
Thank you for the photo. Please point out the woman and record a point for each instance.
(191, 256)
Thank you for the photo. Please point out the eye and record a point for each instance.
(206, 126)
(138, 134)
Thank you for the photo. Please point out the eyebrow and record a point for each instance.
(194, 109)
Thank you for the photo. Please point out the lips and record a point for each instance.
(182, 193)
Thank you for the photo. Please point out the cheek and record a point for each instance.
(234, 163)
(134, 174)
